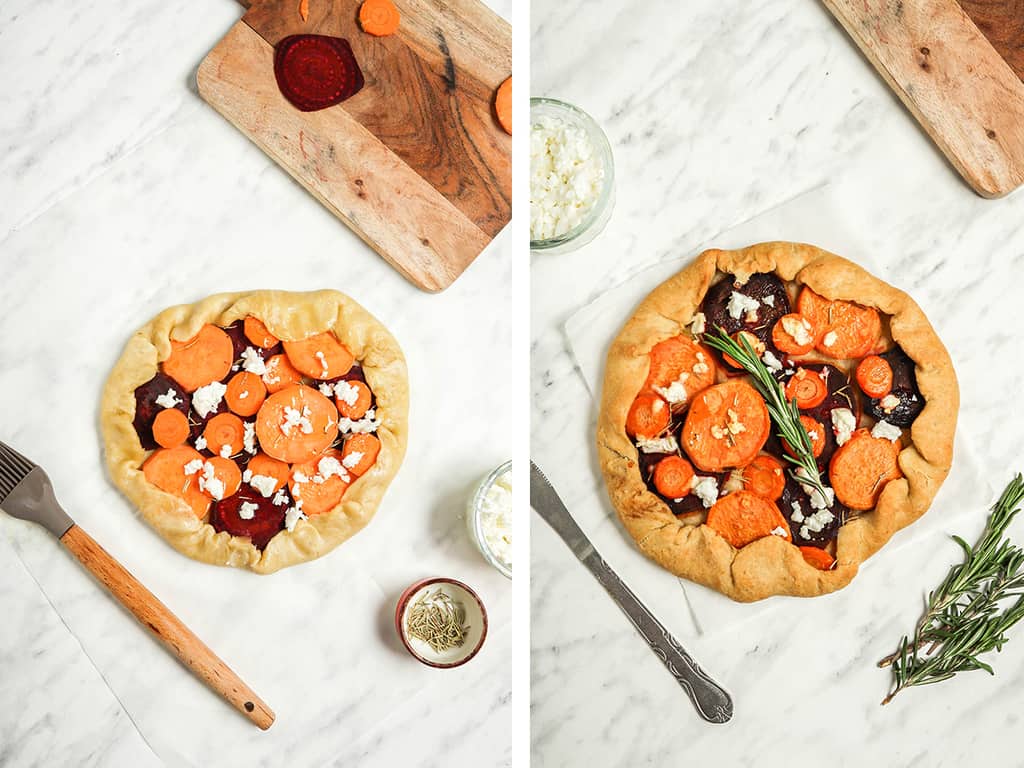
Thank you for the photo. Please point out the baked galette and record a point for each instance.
(259, 429)
(695, 459)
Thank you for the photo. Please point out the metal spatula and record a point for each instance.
(26, 493)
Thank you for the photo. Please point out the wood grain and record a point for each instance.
(166, 627)
(955, 83)
(442, 190)
(1002, 23)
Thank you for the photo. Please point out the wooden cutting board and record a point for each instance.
(416, 162)
(958, 67)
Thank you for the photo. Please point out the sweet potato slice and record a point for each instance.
(165, 468)
(862, 467)
(246, 393)
(846, 330)
(170, 428)
(819, 558)
(677, 355)
(262, 465)
(743, 517)
(280, 374)
(296, 424)
(726, 426)
(360, 453)
(765, 476)
(648, 416)
(320, 356)
(205, 358)
(257, 333)
(316, 484)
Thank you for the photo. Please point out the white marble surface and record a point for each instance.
(124, 193)
(729, 109)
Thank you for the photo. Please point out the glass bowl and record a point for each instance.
(474, 522)
(597, 217)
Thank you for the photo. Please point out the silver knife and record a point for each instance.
(710, 699)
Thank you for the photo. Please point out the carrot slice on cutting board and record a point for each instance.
(503, 105)
(224, 432)
(280, 374)
(819, 558)
(245, 394)
(379, 17)
(874, 375)
(360, 451)
(265, 466)
(845, 329)
(320, 356)
(673, 357)
(165, 468)
(648, 416)
(765, 476)
(673, 477)
(205, 358)
(743, 517)
(170, 428)
(323, 493)
(296, 424)
(726, 427)
(861, 468)
(256, 332)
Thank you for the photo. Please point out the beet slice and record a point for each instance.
(267, 521)
(716, 305)
(904, 389)
(316, 71)
(793, 493)
(146, 406)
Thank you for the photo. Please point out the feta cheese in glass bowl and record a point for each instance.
(572, 177)
(490, 518)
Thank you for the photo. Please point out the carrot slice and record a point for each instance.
(861, 468)
(170, 428)
(743, 517)
(794, 334)
(320, 357)
(379, 17)
(648, 416)
(807, 388)
(726, 427)
(846, 330)
(224, 435)
(673, 476)
(360, 452)
(246, 393)
(296, 424)
(227, 474)
(874, 375)
(280, 374)
(819, 558)
(205, 358)
(165, 468)
(256, 332)
(676, 356)
(352, 400)
(755, 344)
(262, 465)
(319, 483)
(815, 431)
(503, 105)
(765, 476)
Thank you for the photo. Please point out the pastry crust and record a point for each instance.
(290, 317)
(771, 566)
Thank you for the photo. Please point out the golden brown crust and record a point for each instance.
(771, 566)
(290, 317)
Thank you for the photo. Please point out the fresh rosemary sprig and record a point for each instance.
(784, 413)
(968, 614)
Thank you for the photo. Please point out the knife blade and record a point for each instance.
(712, 702)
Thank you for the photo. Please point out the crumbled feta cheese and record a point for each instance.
(329, 467)
(249, 438)
(735, 426)
(889, 402)
(292, 419)
(327, 390)
(771, 362)
(741, 303)
(265, 484)
(733, 483)
(675, 392)
(324, 370)
(225, 451)
(352, 459)
(347, 392)
(253, 362)
(210, 483)
(369, 423)
(243, 395)
(247, 511)
(566, 176)
(193, 466)
(300, 477)
(769, 300)
(797, 515)
(280, 499)
(169, 399)
(780, 531)
(798, 328)
(705, 489)
(830, 339)
(698, 324)
(496, 517)
(206, 400)
(886, 431)
(700, 368)
(843, 424)
(817, 500)
(666, 444)
(201, 443)
(293, 515)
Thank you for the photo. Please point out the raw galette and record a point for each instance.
(257, 429)
(782, 471)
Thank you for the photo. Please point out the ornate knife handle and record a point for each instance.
(711, 700)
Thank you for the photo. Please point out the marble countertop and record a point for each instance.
(125, 193)
(728, 110)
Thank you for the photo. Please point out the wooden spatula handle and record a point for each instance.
(167, 627)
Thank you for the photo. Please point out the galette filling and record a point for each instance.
(255, 433)
(704, 439)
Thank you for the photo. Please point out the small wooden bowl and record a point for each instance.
(476, 620)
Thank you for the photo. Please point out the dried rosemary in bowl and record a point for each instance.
(437, 620)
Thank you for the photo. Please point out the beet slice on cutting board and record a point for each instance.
(316, 71)
(267, 520)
